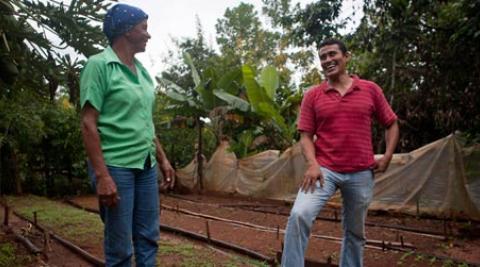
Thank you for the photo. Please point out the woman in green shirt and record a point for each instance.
(117, 98)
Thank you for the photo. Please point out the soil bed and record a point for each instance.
(430, 251)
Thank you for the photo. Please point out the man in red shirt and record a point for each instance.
(339, 114)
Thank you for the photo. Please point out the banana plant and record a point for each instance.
(200, 101)
(260, 94)
(239, 91)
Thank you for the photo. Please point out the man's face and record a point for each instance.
(138, 36)
(333, 60)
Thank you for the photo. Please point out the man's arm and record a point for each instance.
(165, 166)
(313, 173)
(392, 134)
(106, 187)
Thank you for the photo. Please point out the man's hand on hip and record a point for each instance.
(381, 164)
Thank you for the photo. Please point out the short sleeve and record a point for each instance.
(306, 120)
(383, 110)
(93, 84)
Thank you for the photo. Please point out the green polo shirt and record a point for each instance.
(125, 104)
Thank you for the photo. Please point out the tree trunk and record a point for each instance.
(49, 183)
(74, 89)
(199, 154)
(9, 174)
(52, 86)
(173, 159)
(68, 161)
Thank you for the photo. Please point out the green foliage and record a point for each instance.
(306, 26)
(242, 39)
(317, 22)
(234, 101)
(270, 80)
(241, 147)
(207, 99)
(424, 56)
(40, 137)
(225, 87)
(179, 143)
(262, 102)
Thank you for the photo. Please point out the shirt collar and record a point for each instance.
(354, 86)
(112, 57)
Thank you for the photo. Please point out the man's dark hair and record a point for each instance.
(340, 44)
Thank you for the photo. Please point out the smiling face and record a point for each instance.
(333, 60)
(138, 36)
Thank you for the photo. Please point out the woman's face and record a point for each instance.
(138, 36)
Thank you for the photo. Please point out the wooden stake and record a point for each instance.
(208, 229)
(445, 228)
(35, 221)
(46, 244)
(6, 215)
(418, 208)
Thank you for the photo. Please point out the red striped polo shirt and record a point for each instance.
(343, 124)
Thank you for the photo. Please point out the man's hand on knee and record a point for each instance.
(311, 176)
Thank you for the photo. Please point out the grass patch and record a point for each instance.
(7, 254)
(9, 257)
(167, 248)
(190, 255)
(72, 223)
(241, 261)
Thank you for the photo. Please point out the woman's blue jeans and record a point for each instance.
(356, 189)
(134, 221)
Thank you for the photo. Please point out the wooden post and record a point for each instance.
(208, 229)
(46, 243)
(445, 228)
(418, 208)
(6, 215)
(35, 221)
(199, 154)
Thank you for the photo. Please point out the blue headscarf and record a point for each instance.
(120, 19)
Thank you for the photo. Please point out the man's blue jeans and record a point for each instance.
(357, 190)
(135, 218)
